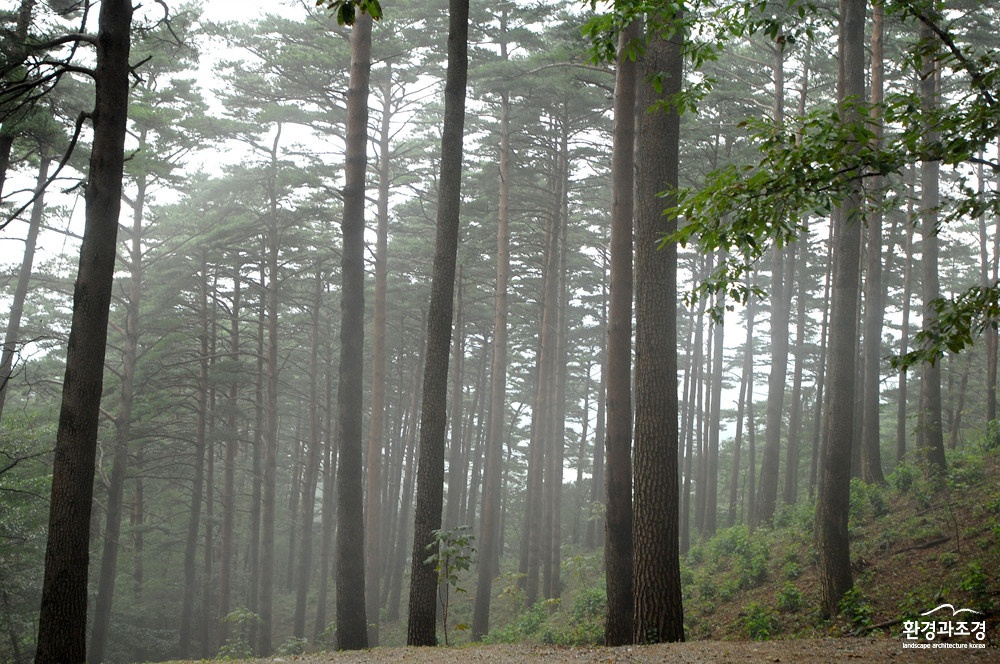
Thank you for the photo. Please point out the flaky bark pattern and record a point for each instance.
(352, 626)
(833, 500)
(659, 615)
(62, 622)
(433, 420)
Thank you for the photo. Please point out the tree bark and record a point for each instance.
(659, 615)
(930, 427)
(618, 497)
(833, 500)
(62, 622)
(352, 625)
(421, 627)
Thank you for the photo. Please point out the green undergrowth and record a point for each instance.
(917, 542)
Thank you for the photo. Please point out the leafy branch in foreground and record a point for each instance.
(958, 320)
(804, 170)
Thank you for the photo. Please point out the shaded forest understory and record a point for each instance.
(915, 546)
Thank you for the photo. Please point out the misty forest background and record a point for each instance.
(214, 515)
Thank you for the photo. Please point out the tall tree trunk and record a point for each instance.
(198, 481)
(746, 381)
(871, 455)
(455, 470)
(312, 465)
(376, 432)
(618, 499)
(991, 331)
(227, 546)
(930, 427)
(594, 536)
(123, 435)
(791, 488)
(659, 615)
(352, 625)
(821, 371)
(430, 479)
(904, 328)
(767, 497)
(489, 538)
(62, 621)
(714, 424)
(833, 500)
(269, 455)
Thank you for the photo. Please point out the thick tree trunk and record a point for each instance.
(659, 615)
(791, 488)
(430, 475)
(352, 625)
(618, 498)
(833, 501)
(62, 622)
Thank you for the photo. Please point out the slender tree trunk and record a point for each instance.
(376, 435)
(714, 423)
(745, 394)
(871, 455)
(352, 624)
(421, 627)
(123, 435)
(767, 497)
(227, 545)
(904, 329)
(198, 482)
(62, 621)
(312, 466)
(791, 488)
(594, 536)
(489, 538)
(821, 371)
(833, 501)
(12, 337)
(659, 615)
(931, 427)
(618, 499)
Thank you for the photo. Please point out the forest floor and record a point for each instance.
(806, 651)
(753, 597)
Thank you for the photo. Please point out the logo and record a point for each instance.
(963, 625)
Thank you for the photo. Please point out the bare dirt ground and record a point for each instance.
(807, 651)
